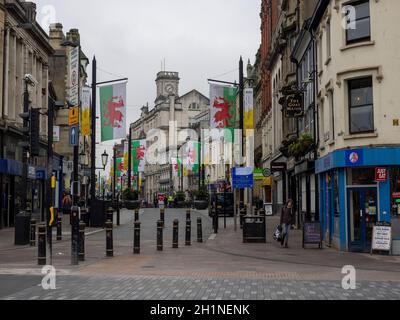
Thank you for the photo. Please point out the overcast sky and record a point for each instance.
(200, 39)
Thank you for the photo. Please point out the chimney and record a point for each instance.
(74, 36)
(56, 35)
(30, 11)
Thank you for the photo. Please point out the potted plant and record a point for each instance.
(303, 145)
(201, 199)
(131, 199)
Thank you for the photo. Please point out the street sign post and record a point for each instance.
(73, 136)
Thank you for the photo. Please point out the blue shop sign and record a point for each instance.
(354, 158)
(243, 178)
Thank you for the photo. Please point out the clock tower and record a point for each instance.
(167, 84)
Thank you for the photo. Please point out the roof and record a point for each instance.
(194, 90)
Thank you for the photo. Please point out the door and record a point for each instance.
(363, 213)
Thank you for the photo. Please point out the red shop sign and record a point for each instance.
(396, 195)
(381, 174)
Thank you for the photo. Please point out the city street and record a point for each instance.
(221, 268)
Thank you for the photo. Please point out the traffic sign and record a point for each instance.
(243, 178)
(266, 173)
(73, 116)
(73, 136)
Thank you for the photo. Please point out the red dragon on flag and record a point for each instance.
(140, 153)
(112, 116)
(225, 116)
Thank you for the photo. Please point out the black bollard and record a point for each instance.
(175, 235)
(136, 214)
(81, 254)
(59, 227)
(160, 235)
(110, 215)
(84, 215)
(136, 238)
(188, 214)
(42, 244)
(33, 232)
(109, 239)
(74, 235)
(188, 240)
(118, 212)
(162, 217)
(199, 231)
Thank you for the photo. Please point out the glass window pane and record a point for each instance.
(362, 30)
(362, 96)
(362, 10)
(362, 119)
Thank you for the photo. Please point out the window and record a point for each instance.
(359, 29)
(332, 115)
(361, 108)
(328, 39)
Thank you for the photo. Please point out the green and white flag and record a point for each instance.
(193, 158)
(113, 112)
(138, 156)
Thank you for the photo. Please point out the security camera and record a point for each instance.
(30, 79)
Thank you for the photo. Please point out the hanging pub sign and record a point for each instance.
(294, 105)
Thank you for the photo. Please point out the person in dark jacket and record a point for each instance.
(287, 219)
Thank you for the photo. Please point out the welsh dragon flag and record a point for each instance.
(138, 156)
(176, 167)
(223, 109)
(193, 158)
(113, 112)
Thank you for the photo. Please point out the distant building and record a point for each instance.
(169, 107)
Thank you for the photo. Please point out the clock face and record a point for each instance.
(169, 88)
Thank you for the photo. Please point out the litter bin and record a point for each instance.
(254, 229)
(22, 228)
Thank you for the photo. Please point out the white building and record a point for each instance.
(170, 108)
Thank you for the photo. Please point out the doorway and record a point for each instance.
(362, 216)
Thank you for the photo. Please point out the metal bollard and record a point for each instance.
(216, 222)
(188, 240)
(199, 231)
(162, 217)
(175, 235)
(110, 215)
(118, 212)
(42, 244)
(75, 236)
(188, 214)
(109, 239)
(136, 214)
(136, 238)
(81, 253)
(59, 227)
(160, 227)
(33, 232)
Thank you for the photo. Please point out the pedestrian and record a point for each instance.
(287, 220)
(66, 203)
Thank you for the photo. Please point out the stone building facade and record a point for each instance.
(172, 113)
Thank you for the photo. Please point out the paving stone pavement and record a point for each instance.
(179, 288)
(221, 268)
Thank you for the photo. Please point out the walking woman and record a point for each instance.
(287, 220)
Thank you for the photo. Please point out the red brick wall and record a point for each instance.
(269, 19)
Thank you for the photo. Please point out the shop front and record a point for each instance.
(356, 191)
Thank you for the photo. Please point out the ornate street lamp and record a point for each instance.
(104, 159)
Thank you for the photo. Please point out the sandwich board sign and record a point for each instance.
(382, 237)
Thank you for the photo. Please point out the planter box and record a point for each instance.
(201, 204)
(132, 204)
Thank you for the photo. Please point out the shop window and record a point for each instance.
(361, 176)
(361, 105)
(395, 195)
(358, 26)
